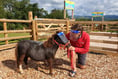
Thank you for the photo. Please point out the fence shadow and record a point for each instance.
(7, 49)
(96, 53)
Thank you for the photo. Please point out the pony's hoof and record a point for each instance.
(38, 68)
(50, 74)
(18, 71)
(21, 72)
(28, 68)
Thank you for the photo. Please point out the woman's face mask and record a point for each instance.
(74, 35)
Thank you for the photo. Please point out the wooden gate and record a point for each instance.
(46, 27)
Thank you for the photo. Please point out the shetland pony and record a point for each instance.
(39, 51)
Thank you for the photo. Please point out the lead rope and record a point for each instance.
(70, 55)
(60, 45)
(69, 52)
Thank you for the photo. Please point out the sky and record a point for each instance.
(82, 7)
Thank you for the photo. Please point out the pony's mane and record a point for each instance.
(50, 42)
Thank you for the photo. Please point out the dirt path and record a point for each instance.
(98, 67)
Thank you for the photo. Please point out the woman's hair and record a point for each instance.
(77, 27)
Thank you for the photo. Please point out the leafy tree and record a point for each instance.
(19, 9)
(83, 19)
(40, 13)
(57, 14)
(2, 11)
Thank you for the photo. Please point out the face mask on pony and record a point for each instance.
(62, 37)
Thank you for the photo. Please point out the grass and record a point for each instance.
(17, 40)
(43, 39)
(14, 35)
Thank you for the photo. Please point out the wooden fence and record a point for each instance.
(103, 43)
(6, 32)
(41, 28)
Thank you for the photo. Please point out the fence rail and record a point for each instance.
(95, 22)
(13, 21)
(104, 41)
(15, 31)
(103, 34)
(12, 38)
(2, 47)
(43, 28)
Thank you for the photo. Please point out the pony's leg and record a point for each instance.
(46, 64)
(20, 63)
(17, 64)
(26, 61)
(50, 61)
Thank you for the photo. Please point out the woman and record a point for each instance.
(80, 45)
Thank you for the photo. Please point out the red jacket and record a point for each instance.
(82, 44)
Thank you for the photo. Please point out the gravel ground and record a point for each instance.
(99, 66)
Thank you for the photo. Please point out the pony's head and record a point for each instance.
(59, 38)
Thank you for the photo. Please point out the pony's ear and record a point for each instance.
(58, 31)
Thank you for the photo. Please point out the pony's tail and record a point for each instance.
(16, 54)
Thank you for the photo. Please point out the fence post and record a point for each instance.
(35, 17)
(102, 29)
(5, 29)
(88, 27)
(102, 23)
(30, 17)
(33, 30)
(106, 28)
(36, 27)
(92, 24)
(67, 25)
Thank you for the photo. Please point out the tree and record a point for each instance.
(19, 9)
(83, 19)
(2, 7)
(58, 14)
(41, 13)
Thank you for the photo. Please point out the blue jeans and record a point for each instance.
(81, 58)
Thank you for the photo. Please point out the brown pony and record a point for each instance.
(39, 51)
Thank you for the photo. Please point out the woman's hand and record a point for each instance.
(72, 48)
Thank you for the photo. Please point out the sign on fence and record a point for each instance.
(69, 4)
(97, 14)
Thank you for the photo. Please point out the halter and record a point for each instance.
(60, 45)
